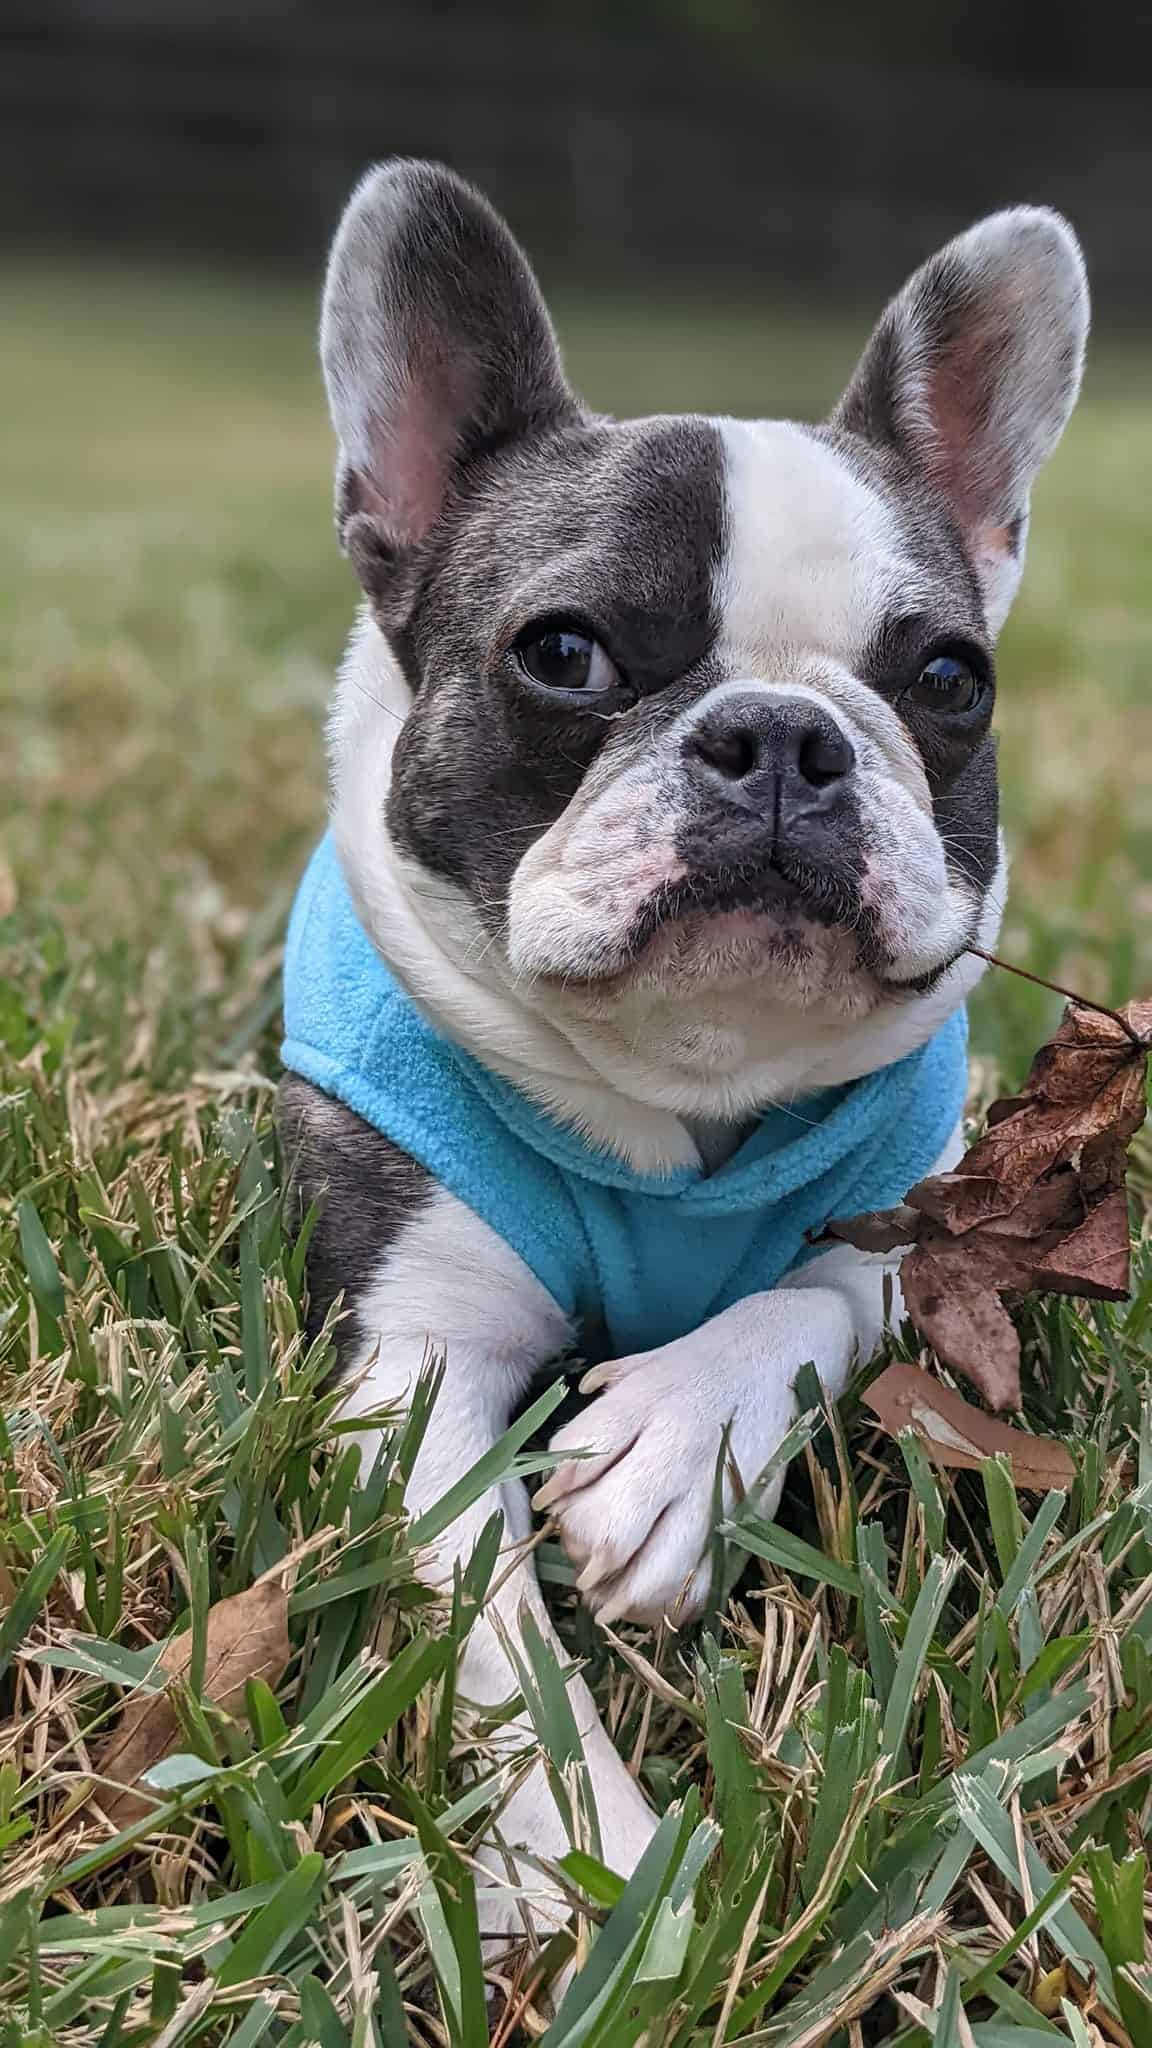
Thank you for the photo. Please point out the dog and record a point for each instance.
(664, 813)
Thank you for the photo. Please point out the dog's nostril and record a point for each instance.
(791, 744)
(824, 756)
(735, 752)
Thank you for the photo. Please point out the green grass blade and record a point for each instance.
(617, 1940)
(320, 2016)
(1027, 1558)
(790, 1553)
(912, 1659)
(489, 1470)
(872, 1559)
(1003, 1512)
(44, 1282)
(274, 1925)
(381, 1707)
(31, 1594)
(980, 1812)
(462, 1984)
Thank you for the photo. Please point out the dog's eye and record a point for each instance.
(566, 658)
(948, 683)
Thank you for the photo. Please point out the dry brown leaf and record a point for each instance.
(247, 1637)
(1037, 1205)
(956, 1434)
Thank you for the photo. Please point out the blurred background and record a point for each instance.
(750, 143)
(718, 194)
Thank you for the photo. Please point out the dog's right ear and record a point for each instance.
(436, 344)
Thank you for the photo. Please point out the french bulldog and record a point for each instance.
(663, 816)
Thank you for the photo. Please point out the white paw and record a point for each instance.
(637, 1514)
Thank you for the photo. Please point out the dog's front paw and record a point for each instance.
(636, 1514)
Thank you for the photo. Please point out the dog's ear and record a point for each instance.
(972, 373)
(436, 344)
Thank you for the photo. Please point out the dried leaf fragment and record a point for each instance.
(957, 1435)
(1036, 1205)
(247, 1637)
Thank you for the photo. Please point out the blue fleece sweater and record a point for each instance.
(634, 1259)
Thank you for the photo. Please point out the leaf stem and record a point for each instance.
(1058, 989)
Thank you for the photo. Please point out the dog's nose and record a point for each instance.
(784, 756)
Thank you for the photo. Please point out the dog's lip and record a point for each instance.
(758, 899)
(763, 892)
(923, 984)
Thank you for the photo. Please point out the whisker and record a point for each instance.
(373, 699)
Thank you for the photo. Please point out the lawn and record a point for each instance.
(908, 1776)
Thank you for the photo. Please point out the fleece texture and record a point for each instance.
(636, 1260)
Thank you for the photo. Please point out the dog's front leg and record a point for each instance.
(448, 1282)
(636, 1514)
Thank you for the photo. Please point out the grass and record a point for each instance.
(907, 1778)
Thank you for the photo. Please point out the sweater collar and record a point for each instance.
(789, 1146)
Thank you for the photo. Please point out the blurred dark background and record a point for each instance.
(824, 145)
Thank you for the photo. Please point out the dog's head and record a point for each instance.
(668, 741)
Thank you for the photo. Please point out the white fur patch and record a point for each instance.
(814, 557)
(586, 879)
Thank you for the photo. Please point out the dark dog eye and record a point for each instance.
(566, 658)
(948, 683)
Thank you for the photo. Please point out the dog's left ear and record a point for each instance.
(971, 375)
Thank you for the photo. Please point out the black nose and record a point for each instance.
(783, 756)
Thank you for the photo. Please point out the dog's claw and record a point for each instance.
(577, 1474)
(595, 1378)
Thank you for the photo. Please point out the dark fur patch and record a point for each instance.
(365, 1187)
(967, 809)
(959, 755)
(620, 525)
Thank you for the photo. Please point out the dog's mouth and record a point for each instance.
(782, 892)
(738, 919)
